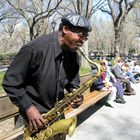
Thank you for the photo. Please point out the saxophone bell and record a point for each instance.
(61, 126)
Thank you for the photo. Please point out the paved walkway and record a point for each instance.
(104, 123)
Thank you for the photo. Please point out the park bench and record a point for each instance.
(8, 110)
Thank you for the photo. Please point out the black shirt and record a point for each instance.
(40, 72)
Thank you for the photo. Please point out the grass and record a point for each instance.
(84, 71)
(1, 78)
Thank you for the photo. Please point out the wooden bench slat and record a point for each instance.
(7, 108)
(89, 99)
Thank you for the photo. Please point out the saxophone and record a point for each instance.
(53, 124)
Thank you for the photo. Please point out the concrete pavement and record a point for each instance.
(105, 123)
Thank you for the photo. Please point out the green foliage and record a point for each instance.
(4, 56)
(7, 56)
(132, 50)
(113, 62)
(84, 71)
(1, 78)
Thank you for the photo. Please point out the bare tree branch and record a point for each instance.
(123, 7)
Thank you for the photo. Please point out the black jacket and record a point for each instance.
(40, 72)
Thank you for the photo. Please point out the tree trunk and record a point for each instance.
(84, 62)
(117, 41)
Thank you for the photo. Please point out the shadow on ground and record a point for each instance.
(88, 112)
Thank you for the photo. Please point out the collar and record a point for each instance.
(57, 48)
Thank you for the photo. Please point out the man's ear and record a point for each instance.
(65, 29)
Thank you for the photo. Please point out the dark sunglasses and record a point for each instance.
(81, 34)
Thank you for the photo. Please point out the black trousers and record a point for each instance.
(127, 83)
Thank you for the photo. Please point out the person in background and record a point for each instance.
(110, 78)
(134, 66)
(119, 74)
(102, 85)
(44, 67)
(129, 73)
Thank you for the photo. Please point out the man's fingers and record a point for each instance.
(77, 102)
(33, 125)
(42, 119)
(41, 122)
(78, 99)
(75, 105)
(38, 123)
(36, 120)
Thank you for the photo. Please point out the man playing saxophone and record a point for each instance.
(44, 67)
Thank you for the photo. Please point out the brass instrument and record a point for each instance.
(55, 126)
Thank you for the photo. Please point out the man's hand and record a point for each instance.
(77, 101)
(36, 120)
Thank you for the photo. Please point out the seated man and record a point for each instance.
(119, 74)
(109, 78)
